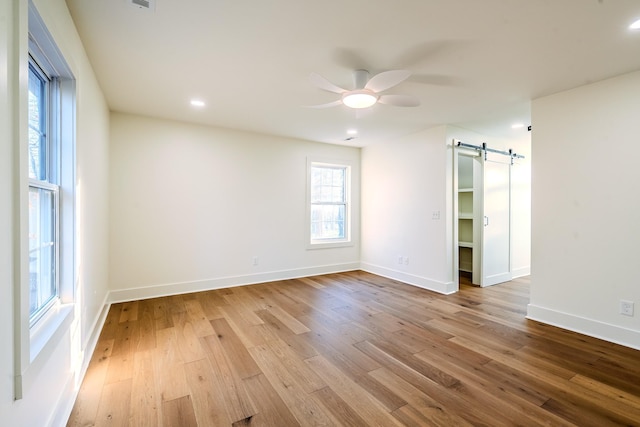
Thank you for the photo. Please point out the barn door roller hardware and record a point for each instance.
(484, 149)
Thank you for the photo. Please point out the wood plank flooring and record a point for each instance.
(351, 349)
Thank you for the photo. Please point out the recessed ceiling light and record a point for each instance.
(635, 25)
(197, 103)
(352, 132)
(517, 126)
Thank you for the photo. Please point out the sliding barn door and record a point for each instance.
(496, 220)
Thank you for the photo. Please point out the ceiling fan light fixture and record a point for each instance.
(359, 99)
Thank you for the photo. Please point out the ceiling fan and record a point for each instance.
(367, 91)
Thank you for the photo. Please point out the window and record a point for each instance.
(43, 192)
(50, 154)
(329, 204)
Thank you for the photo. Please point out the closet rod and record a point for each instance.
(484, 148)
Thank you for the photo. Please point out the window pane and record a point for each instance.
(42, 250)
(37, 123)
(327, 185)
(327, 222)
(337, 178)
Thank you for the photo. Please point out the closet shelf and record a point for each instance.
(465, 190)
(465, 244)
(465, 215)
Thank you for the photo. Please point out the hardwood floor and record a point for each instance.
(351, 349)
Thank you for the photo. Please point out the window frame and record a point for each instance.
(329, 242)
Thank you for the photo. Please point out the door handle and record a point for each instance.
(486, 220)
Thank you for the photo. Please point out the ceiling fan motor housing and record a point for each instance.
(360, 78)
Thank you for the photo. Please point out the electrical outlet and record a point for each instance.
(255, 261)
(406, 260)
(626, 307)
(400, 258)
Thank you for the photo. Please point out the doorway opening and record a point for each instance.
(486, 207)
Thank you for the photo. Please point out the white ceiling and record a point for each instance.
(474, 63)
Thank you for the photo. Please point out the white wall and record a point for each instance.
(404, 183)
(49, 380)
(191, 206)
(521, 214)
(585, 202)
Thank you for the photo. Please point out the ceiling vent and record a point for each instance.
(143, 4)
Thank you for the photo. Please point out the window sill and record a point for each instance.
(54, 322)
(329, 244)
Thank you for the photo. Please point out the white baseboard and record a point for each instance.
(65, 403)
(589, 327)
(411, 279)
(70, 394)
(160, 290)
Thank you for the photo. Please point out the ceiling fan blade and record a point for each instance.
(325, 84)
(327, 105)
(399, 100)
(386, 80)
